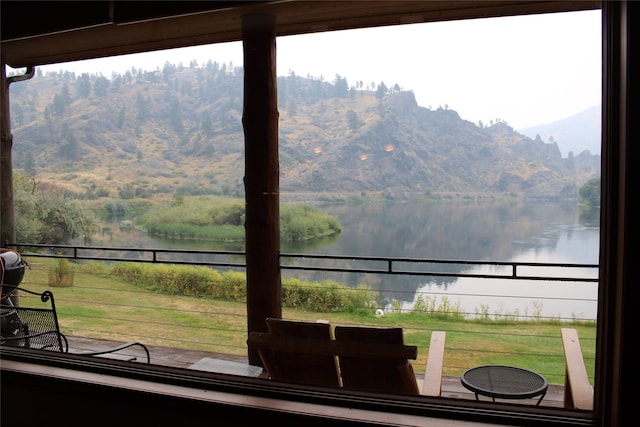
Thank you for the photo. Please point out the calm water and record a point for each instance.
(523, 232)
(540, 232)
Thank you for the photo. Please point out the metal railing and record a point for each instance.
(190, 257)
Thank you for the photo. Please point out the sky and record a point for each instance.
(524, 70)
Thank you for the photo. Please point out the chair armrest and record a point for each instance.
(578, 392)
(120, 348)
(432, 385)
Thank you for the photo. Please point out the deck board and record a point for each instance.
(182, 358)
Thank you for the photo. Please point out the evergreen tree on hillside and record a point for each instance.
(69, 148)
(168, 71)
(354, 120)
(341, 87)
(58, 106)
(61, 101)
(122, 114)
(206, 125)
(142, 108)
(66, 95)
(381, 91)
(175, 115)
(101, 86)
(83, 86)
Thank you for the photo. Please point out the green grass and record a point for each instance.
(103, 306)
(222, 219)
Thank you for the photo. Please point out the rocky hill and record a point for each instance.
(179, 130)
(573, 134)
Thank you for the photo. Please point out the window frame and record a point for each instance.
(614, 297)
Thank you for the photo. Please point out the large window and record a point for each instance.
(361, 112)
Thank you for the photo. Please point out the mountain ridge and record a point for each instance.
(573, 134)
(179, 130)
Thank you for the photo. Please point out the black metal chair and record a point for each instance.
(35, 325)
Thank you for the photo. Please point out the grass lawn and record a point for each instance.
(100, 305)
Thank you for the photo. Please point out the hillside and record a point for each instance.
(179, 130)
(574, 134)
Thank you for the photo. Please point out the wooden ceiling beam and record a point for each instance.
(109, 30)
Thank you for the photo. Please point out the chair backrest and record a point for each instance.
(303, 367)
(392, 374)
(33, 324)
(358, 357)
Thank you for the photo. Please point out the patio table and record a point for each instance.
(504, 382)
(226, 367)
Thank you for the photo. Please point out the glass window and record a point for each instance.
(434, 177)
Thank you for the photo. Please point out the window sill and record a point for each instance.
(81, 377)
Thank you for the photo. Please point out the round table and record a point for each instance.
(504, 382)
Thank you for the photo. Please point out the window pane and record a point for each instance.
(468, 142)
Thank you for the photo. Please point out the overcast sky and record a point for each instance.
(526, 70)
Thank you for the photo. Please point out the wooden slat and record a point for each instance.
(578, 390)
(433, 373)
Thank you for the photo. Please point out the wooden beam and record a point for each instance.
(262, 174)
(160, 27)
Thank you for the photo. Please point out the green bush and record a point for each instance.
(234, 284)
(325, 296)
(172, 279)
(62, 274)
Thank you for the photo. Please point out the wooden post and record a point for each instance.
(7, 219)
(261, 180)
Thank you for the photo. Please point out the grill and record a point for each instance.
(12, 266)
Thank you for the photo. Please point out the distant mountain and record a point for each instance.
(573, 134)
(179, 131)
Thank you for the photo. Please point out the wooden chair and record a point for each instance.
(305, 367)
(390, 374)
(368, 358)
(34, 324)
(578, 392)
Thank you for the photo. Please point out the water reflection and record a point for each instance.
(523, 232)
(463, 231)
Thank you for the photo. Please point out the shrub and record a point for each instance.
(325, 296)
(61, 275)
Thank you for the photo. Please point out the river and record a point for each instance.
(522, 232)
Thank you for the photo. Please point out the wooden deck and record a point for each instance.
(181, 358)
